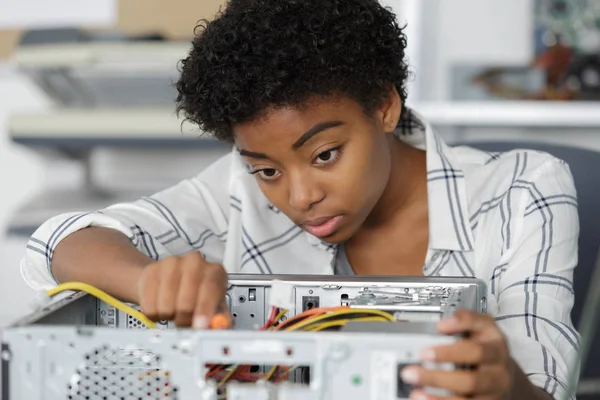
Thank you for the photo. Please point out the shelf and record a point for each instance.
(132, 56)
(517, 114)
(88, 128)
(50, 203)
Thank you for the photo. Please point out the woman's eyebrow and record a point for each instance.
(252, 154)
(306, 136)
(318, 128)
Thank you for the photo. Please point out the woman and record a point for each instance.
(332, 173)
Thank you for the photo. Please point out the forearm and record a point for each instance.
(522, 388)
(102, 257)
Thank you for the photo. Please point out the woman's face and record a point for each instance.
(324, 165)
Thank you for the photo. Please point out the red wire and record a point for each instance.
(271, 319)
(243, 372)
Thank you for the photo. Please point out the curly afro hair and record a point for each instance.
(259, 55)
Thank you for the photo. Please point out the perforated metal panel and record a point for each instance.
(121, 374)
(60, 362)
(134, 323)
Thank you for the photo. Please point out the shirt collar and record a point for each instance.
(449, 227)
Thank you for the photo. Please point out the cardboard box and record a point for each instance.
(175, 19)
(8, 41)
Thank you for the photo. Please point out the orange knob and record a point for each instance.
(219, 321)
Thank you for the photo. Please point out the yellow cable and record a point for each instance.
(277, 318)
(271, 373)
(380, 317)
(340, 313)
(228, 376)
(273, 369)
(280, 315)
(105, 297)
(331, 324)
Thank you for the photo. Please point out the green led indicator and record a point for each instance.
(356, 380)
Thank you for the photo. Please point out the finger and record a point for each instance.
(420, 394)
(466, 351)
(167, 288)
(189, 285)
(224, 310)
(464, 321)
(459, 382)
(148, 289)
(210, 296)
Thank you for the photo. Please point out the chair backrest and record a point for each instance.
(584, 164)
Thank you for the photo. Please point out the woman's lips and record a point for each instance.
(323, 227)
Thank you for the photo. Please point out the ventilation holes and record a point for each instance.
(121, 374)
(134, 323)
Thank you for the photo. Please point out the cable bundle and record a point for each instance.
(316, 319)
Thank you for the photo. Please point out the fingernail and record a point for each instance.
(200, 322)
(428, 355)
(409, 375)
(418, 396)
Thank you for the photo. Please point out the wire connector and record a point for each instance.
(282, 295)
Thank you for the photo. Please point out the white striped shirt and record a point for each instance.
(509, 219)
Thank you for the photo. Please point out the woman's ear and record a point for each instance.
(390, 110)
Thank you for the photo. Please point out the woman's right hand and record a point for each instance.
(186, 289)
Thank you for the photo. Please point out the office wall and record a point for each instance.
(466, 31)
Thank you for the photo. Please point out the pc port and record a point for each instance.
(344, 299)
(309, 302)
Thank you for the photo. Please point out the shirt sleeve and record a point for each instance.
(190, 216)
(535, 292)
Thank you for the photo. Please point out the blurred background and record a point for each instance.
(87, 100)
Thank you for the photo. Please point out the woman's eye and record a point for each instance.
(327, 157)
(268, 174)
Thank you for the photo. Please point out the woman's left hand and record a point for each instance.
(484, 349)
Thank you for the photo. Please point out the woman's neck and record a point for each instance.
(407, 185)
